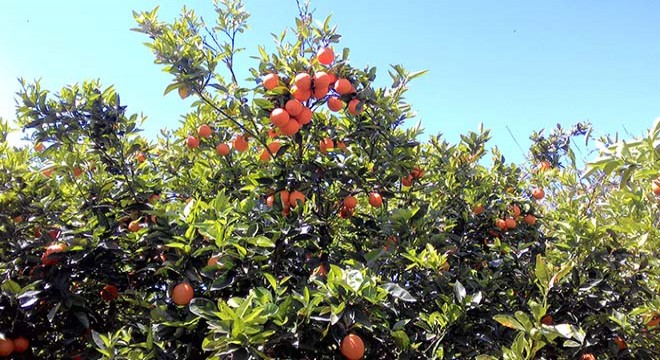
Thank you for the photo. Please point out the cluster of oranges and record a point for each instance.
(415, 174)
(11, 346)
(510, 222)
(288, 199)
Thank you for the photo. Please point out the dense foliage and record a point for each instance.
(303, 216)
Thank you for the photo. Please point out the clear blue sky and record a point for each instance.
(522, 64)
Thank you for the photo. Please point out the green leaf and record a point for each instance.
(509, 322)
(398, 292)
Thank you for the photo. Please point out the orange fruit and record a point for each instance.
(6, 347)
(345, 213)
(501, 224)
(341, 145)
(182, 294)
(354, 107)
(153, 198)
(295, 197)
(655, 185)
(417, 172)
(141, 157)
(588, 356)
(320, 92)
(350, 202)
(322, 79)
(530, 219)
(274, 147)
(240, 143)
(272, 133)
(544, 165)
(620, 343)
(271, 81)
(109, 292)
(134, 226)
(48, 172)
(284, 198)
(279, 117)
(300, 94)
(222, 149)
(184, 91)
(204, 131)
(343, 87)
(18, 219)
(303, 81)
(335, 103)
(192, 142)
(511, 223)
(291, 128)
(515, 210)
(538, 193)
(326, 56)
(478, 209)
(326, 144)
(77, 171)
(52, 249)
(322, 270)
(21, 344)
(407, 181)
(547, 320)
(352, 347)
(375, 199)
(39, 146)
(293, 107)
(305, 116)
(333, 79)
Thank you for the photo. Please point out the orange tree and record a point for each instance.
(293, 216)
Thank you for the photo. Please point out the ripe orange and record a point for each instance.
(544, 165)
(21, 344)
(18, 219)
(141, 157)
(279, 117)
(515, 210)
(354, 107)
(273, 133)
(333, 79)
(335, 103)
(291, 128)
(352, 347)
(295, 197)
(270, 81)
(320, 92)
(182, 294)
(153, 198)
(350, 202)
(39, 146)
(222, 149)
(274, 147)
(284, 198)
(588, 356)
(192, 142)
(501, 224)
(184, 91)
(341, 145)
(620, 343)
(213, 260)
(322, 270)
(511, 223)
(109, 292)
(417, 172)
(407, 181)
(326, 144)
(300, 94)
(305, 116)
(134, 226)
(204, 131)
(293, 107)
(375, 199)
(47, 172)
(478, 209)
(322, 79)
(655, 185)
(530, 219)
(6, 347)
(240, 143)
(50, 250)
(303, 81)
(343, 87)
(270, 200)
(345, 213)
(538, 193)
(326, 56)
(77, 171)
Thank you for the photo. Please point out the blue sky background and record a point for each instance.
(524, 65)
